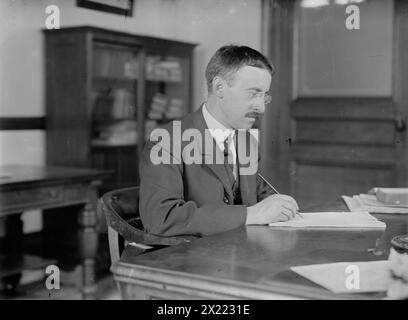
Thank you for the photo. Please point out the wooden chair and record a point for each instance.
(121, 209)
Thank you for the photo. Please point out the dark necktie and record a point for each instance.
(230, 167)
(228, 157)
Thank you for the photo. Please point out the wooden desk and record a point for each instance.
(25, 188)
(251, 262)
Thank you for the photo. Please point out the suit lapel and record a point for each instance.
(213, 153)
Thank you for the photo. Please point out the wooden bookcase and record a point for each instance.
(106, 91)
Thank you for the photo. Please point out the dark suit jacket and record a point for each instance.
(193, 199)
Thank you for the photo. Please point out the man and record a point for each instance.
(179, 196)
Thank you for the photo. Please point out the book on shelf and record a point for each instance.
(155, 115)
(158, 106)
(393, 196)
(131, 68)
(116, 105)
(120, 133)
(164, 107)
(115, 64)
(175, 109)
(159, 103)
(123, 104)
(169, 69)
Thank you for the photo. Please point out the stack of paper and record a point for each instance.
(357, 277)
(370, 203)
(349, 277)
(344, 220)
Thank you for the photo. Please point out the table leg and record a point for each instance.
(88, 246)
(13, 250)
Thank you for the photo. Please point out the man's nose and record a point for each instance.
(260, 106)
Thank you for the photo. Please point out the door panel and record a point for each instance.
(331, 60)
(344, 131)
(325, 137)
(319, 182)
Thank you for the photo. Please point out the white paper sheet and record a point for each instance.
(349, 277)
(346, 220)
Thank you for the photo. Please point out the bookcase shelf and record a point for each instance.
(102, 145)
(173, 82)
(101, 86)
(114, 80)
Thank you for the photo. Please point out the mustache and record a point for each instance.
(254, 115)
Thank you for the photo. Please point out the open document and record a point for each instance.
(345, 220)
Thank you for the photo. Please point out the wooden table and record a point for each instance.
(252, 262)
(25, 188)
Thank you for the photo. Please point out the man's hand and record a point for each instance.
(275, 208)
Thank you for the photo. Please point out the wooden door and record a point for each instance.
(340, 99)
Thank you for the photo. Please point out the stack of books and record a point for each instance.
(380, 200)
(163, 107)
(131, 68)
(171, 70)
(122, 133)
(158, 107)
(117, 105)
(163, 70)
(115, 64)
(123, 104)
(175, 109)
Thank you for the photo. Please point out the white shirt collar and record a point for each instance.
(219, 132)
(217, 129)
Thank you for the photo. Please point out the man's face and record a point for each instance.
(243, 99)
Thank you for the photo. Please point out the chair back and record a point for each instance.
(121, 209)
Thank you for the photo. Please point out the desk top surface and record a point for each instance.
(11, 175)
(262, 255)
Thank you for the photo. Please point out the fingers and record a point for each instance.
(282, 197)
(288, 207)
(290, 210)
(289, 199)
(276, 208)
(284, 216)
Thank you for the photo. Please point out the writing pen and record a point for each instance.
(274, 190)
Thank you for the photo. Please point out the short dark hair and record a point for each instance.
(230, 58)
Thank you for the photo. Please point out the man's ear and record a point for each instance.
(218, 86)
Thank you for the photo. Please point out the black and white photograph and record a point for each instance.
(225, 151)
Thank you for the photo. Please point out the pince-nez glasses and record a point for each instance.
(267, 98)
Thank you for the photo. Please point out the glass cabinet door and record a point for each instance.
(114, 129)
(114, 90)
(167, 89)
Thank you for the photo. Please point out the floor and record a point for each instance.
(106, 290)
